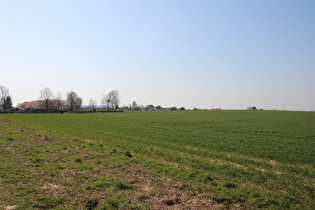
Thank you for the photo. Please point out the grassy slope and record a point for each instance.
(247, 158)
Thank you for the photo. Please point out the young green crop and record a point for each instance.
(249, 158)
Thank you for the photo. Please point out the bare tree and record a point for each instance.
(92, 104)
(78, 103)
(113, 99)
(4, 92)
(105, 101)
(73, 100)
(46, 94)
(5, 98)
(58, 102)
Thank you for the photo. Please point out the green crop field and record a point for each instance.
(239, 159)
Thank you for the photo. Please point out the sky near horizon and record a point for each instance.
(228, 54)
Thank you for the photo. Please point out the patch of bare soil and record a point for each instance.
(164, 193)
(9, 207)
(4, 120)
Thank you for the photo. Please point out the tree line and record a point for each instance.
(50, 103)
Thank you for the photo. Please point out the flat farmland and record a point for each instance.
(236, 159)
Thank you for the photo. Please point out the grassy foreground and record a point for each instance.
(237, 159)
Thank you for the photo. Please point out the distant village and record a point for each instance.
(50, 103)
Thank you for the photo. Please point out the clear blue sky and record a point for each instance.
(205, 54)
